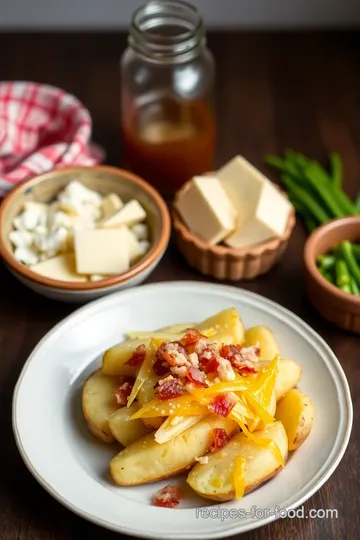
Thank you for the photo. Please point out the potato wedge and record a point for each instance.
(215, 479)
(147, 461)
(227, 325)
(98, 403)
(288, 377)
(114, 359)
(265, 339)
(124, 430)
(296, 411)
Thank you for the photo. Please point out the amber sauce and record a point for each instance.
(168, 142)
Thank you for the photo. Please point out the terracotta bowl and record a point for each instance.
(225, 263)
(336, 306)
(104, 179)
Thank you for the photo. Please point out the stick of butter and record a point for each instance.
(263, 212)
(101, 251)
(61, 268)
(206, 209)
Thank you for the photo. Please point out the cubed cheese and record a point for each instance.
(110, 205)
(34, 214)
(61, 268)
(131, 213)
(206, 209)
(26, 255)
(134, 247)
(141, 231)
(97, 277)
(263, 212)
(102, 251)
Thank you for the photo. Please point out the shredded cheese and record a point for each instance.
(239, 476)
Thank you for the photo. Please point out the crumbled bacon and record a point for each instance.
(168, 497)
(196, 377)
(160, 368)
(243, 359)
(210, 366)
(191, 337)
(172, 353)
(124, 390)
(220, 439)
(138, 356)
(170, 389)
(222, 404)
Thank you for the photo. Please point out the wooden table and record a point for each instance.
(274, 92)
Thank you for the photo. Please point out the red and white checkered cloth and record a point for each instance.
(41, 128)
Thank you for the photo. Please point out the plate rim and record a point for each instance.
(238, 529)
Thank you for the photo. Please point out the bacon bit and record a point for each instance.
(170, 389)
(220, 439)
(191, 337)
(168, 497)
(124, 390)
(222, 404)
(160, 368)
(210, 366)
(137, 357)
(195, 376)
(172, 353)
(243, 359)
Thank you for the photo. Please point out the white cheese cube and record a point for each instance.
(58, 219)
(97, 277)
(206, 209)
(134, 247)
(21, 239)
(18, 224)
(141, 231)
(32, 214)
(53, 242)
(26, 255)
(263, 212)
(61, 268)
(78, 193)
(144, 246)
(131, 213)
(71, 207)
(102, 251)
(91, 211)
(110, 205)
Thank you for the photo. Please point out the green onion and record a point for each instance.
(348, 256)
(336, 169)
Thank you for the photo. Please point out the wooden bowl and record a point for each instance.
(105, 180)
(226, 263)
(338, 307)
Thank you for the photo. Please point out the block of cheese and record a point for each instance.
(206, 209)
(101, 251)
(263, 212)
(110, 205)
(134, 247)
(61, 268)
(131, 213)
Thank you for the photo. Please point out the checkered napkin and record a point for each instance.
(41, 128)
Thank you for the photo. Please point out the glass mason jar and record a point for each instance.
(167, 79)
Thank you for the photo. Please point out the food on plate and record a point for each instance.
(296, 412)
(316, 193)
(147, 461)
(99, 403)
(168, 497)
(210, 396)
(237, 206)
(340, 266)
(124, 430)
(81, 235)
(218, 478)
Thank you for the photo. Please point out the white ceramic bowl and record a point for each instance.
(105, 180)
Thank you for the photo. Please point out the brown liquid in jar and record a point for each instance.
(167, 142)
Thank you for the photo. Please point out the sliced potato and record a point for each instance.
(227, 325)
(288, 377)
(147, 461)
(124, 430)
(98, 403)
(172, 427)
(215, 479)
(114, 359)
(265, 339)
(167, 331)
(296, 411)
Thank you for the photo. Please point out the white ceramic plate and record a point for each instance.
(73, 467)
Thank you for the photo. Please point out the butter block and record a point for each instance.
(61, 268)
(110, 205)
(101, 251)
(206, 209)
(263, 212)
(130, 214)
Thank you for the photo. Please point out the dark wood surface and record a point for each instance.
(274, 91)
